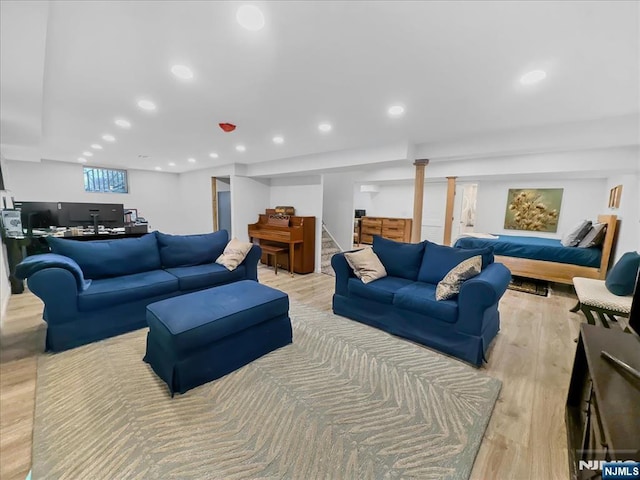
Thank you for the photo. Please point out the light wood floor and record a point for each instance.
(532, 355)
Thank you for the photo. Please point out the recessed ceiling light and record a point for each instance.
(532, 77)
(214, 155)
(250, 17)
(395, 110)
(191, 160)
(147, 105)
(278, 139)
(182, 71)
(325, 127)
(122, 123)
(241, 148)
(108, 138)
(172, 164)
(95, 146)
(82, 160)
(87, 154)
(158, 168)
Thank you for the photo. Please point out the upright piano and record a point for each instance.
(297, 233)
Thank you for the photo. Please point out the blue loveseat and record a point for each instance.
(99, 289)
(403, 303)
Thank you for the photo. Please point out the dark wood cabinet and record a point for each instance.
(603, 403)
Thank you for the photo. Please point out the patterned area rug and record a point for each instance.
(530, 285)
(343, 401)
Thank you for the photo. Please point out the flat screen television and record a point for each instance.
(38, 214)
(87, 214)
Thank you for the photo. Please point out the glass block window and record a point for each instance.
(105, 180)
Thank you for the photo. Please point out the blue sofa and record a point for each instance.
(403, 303)
(99, 289)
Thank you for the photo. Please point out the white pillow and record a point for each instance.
(234, 254)
(366, 265)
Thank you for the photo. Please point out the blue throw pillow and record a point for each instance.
(110, 258)
(399, 259)
(621, 279)
(439, 259)
(189, 250)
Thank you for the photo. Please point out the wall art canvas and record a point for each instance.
(533, 209)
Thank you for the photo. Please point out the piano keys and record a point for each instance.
(297, 233)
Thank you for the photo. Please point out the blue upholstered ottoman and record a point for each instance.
(201, 336)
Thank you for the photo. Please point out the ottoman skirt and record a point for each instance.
(220, 358)
(202, 336)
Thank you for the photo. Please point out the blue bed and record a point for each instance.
(535, 248)
(546, 258)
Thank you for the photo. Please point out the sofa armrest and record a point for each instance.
(36, 263)
(479, 294)
(251, 262)
(58, 289)
(343, 272)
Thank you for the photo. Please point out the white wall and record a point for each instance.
(305, 195)
(581, 199)
(154, 194)
(337, 207)
(628, 213)
(249, 198)
(396, 200)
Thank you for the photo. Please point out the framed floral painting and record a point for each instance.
(533, 209)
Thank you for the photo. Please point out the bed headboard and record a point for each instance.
(609, 242)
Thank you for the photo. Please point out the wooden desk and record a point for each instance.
(603, 403)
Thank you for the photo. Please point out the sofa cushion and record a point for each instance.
(234, 254)
(438, 260)
(207, 275)
(108, 292)
(188, 250)
(380, 290)
(110, 258)
(399, 259)
(621, 279)
(450, 285)
(421, 298)
(365, 265)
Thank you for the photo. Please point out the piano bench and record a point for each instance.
(271, 250)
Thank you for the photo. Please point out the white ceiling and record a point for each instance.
(454, 65)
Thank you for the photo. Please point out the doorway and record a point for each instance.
(224, 211)
(467, 209)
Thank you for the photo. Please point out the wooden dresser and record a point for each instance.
(398, 229)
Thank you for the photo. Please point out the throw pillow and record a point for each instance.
(573, 237)
(594, 237)
(234, 254)
(450, 285)
(399, 259)
(438, 260)
(365, 265)
(621, 279)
